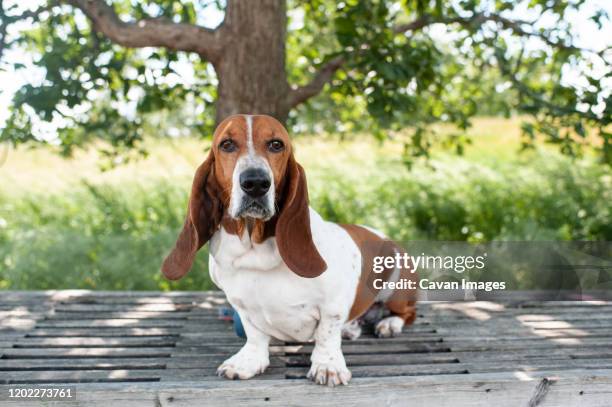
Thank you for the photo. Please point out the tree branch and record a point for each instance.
(414, 25)
(503, 64)
(326, 72)
(477, 20)
(156, 32)
(324, 75)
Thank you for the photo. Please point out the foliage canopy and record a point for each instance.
(374, 65)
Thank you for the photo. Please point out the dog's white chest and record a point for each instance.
(262, 289)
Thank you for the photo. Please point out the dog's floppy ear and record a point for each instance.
(203, 217)
(293, 234)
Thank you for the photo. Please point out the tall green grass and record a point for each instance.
(545, 198)
(95, 237)
(113, 234)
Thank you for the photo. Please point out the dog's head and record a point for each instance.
(249, 183)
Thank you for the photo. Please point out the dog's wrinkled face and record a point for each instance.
(250, 181)
(251, 155)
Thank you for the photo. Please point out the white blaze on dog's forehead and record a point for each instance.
(249, 123)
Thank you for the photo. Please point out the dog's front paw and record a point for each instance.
(389, 326)
(243, 366)
(331, 374)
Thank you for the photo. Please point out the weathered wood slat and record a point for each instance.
(19, 312)
(203, 305)
(112, 323)
(509, 334)
(147, 307)
(152, 315)
(62, 295)
(8, 365)
(199, 339)
(446, 309)
(192, 327)
(123, 375)
(450, 357)
(17, 324)
(461, 368)
(206, 362)
(95, 332)
(456, 344)
(507, 317)
(72, 353)
(505, 323)
(62, 376)
(128, 313)
(94, 342)
(564, 304)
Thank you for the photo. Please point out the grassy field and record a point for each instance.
(65, 224)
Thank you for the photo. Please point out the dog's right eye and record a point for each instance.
(228, 146)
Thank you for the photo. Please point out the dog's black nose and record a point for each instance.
(254, 182)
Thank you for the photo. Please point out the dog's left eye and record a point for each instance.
(228, 146)
(275, 146)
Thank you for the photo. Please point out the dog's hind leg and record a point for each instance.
(402, 313)
(401, 306)
(351, 330)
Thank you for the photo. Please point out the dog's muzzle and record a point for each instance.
(255, 184)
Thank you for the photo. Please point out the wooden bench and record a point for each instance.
(152, 349)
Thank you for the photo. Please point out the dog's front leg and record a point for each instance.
(328, 365)
(253, 358)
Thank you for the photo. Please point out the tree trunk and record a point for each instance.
(251, 71)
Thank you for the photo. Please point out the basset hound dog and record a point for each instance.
(289, 274)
